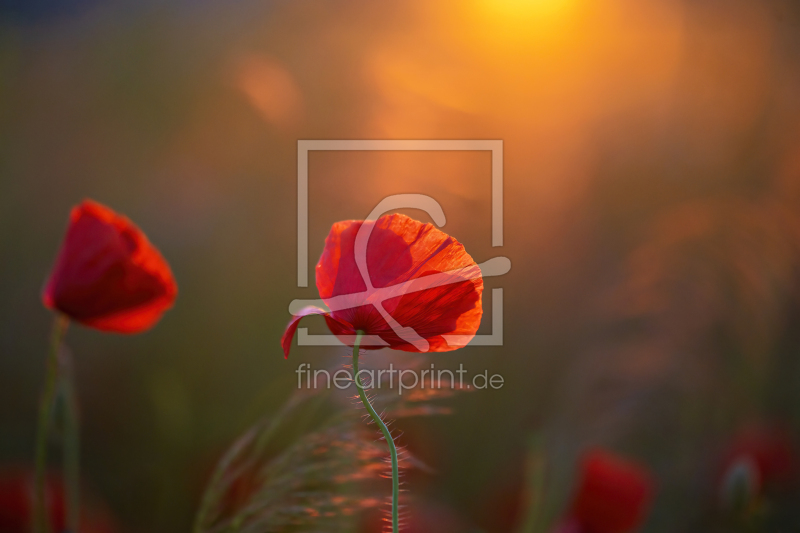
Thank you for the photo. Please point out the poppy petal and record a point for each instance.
(291, 328)
(613, 494)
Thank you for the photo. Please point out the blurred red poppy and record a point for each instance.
(760, 457)
(423, 279)
(107, 275)
(16, 506)
(612, 496)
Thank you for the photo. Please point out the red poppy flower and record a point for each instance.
(406, 284)
(763, 456)
(612, 497)
(16, 505)
(107, 275)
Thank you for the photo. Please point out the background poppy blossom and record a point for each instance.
(107, 275)
(765, 454)
(400, 250)
(16, 505)
(612, 496)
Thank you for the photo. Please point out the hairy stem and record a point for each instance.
(386, 435)
(46, 407)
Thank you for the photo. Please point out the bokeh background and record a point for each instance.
(652, 188)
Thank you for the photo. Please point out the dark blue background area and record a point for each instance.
(43, 10)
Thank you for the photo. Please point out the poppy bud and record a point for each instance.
(107, 275)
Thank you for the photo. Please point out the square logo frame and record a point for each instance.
(304, 146)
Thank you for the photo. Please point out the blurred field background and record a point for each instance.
(652, 195)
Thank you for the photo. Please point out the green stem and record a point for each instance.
(71, 449)
(41, 522)
(535, 478)
(386, 435)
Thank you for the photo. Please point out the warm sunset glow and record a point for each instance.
(522, 22)
(520, 11)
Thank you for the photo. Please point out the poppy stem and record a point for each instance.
(386, 435)
(41, 522)
(71, 451)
